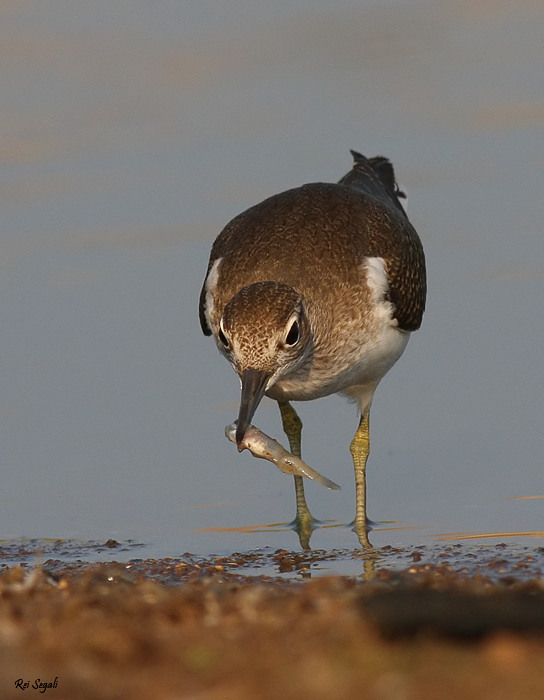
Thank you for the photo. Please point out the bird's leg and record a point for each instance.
(292, 426)
(360, 448)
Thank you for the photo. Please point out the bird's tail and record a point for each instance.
(374, 176)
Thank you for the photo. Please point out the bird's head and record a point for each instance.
(264, 333)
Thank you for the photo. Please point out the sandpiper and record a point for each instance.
(316, 291)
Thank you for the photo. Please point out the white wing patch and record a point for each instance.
(210, 286)
(385, 341)
(376, 278)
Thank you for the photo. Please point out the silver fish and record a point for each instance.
(265, 447)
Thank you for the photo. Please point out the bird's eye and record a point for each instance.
(222, 337)
(293, 335)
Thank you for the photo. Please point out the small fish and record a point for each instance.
(265, 447)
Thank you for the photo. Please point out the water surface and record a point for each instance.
(132, 134)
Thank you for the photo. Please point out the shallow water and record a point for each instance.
(130, 138)
(502, 563)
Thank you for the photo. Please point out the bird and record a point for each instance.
(315, 291)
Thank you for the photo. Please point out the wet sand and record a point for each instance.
(191, 627)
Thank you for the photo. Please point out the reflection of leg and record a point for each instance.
(292, 426)
(360, 448)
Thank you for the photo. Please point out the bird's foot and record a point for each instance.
(304, 524)
(361, 529)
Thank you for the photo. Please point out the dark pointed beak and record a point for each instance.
(253, 386)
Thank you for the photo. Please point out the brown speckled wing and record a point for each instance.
(390, 236)
(407, 284)
(340, 225)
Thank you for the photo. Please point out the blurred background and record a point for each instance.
(132, 132)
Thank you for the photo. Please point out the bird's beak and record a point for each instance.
(253, 386)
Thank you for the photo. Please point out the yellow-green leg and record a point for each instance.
(360, 448)
(292, 426)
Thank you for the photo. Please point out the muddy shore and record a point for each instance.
(190, 627)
